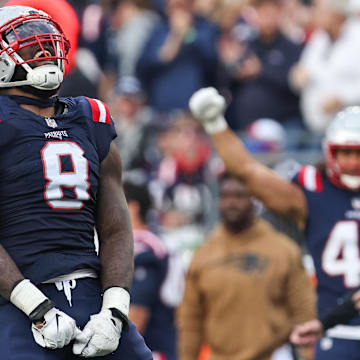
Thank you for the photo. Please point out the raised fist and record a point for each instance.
(208, 106)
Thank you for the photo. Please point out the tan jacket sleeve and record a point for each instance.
(300, 293)
(190, 317)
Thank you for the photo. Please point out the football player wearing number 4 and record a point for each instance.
(325, 204)
(60, 178)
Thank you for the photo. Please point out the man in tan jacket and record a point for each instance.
(246, 287)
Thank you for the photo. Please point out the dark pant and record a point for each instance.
(337, 349)
(17, 342)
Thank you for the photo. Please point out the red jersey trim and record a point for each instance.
(100, 111)
(310, 178)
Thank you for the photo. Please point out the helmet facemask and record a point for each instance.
(33, 52)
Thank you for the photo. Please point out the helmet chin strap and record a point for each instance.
(45, 77)
(351, 181)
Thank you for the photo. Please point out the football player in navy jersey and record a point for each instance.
(325, 204)
(60, 179)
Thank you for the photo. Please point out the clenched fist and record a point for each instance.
(208, 106)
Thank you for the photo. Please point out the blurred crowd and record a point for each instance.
(284, 66)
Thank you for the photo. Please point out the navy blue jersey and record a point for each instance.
(48, 185)
(151, 266)
(332, 236)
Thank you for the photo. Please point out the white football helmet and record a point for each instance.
(342, 133)
(26, 28)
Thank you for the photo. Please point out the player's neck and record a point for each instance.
(45, 112)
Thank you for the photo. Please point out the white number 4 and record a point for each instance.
(341, 254)
(57, 178)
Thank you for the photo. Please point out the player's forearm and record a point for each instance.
(116, 248)
(236, 158)
(276, 193)
(10, 274)
(113, 225)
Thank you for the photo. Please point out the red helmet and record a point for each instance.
(23, 27)
(342, 133)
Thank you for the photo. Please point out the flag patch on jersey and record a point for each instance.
(310, 178)
(100, 111)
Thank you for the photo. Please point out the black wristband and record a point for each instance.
(342, 313)
(38, 313)
(119, 315)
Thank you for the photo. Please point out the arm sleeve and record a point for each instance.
(190, 318)
(342, 313)
(300, 294)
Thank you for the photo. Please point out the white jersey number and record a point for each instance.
(341, 254)
(57, 178)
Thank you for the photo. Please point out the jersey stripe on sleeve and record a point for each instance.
(100, 111)
(310, 178)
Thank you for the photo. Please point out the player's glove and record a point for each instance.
(54, 329)
(208, 106)
(101, 335)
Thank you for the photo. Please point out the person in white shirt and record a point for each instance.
(328, 73)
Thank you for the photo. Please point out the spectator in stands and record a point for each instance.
(95, 69)
(182, 180)
(257, 65)
(296, 21)
(149, 309)
(133, 22)
(246, 286)
(328, 74)
(179, 57)
(137, 127)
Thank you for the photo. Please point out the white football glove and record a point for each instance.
(208, 106)
(57, 330)
(101, 335)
